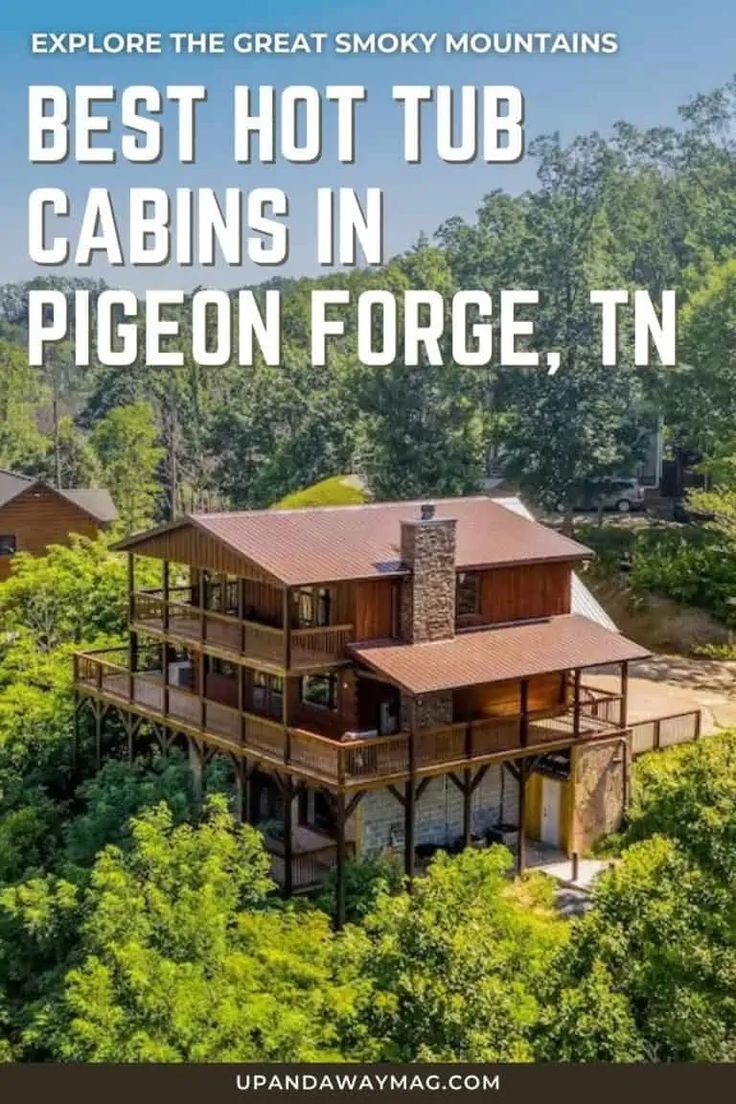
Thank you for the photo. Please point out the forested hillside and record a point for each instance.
(135, 926)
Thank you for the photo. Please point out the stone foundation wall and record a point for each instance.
(598, 792)
(439, 812)
(428, 594)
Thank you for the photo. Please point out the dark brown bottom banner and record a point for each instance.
(139, 1084)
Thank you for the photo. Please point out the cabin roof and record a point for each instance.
(95, 501)
(337, 543)
(493, 655)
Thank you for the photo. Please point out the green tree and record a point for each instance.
(126, 443)
(701, 400)
(180, 962)
(659, 942)
(21, 443)
(456, 970)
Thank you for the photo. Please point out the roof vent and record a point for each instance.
(426, 511)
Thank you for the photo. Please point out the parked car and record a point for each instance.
(623, 495)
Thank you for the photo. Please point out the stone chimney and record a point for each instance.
(428, 594)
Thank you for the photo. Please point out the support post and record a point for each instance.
(131, 586)
(467, 810)
(624, 714)
(524, 718)
(410, 793)
(288, 840)
(166, 590)
(520, 839)
(287, 629)
(341, 858)
(241, 613)
(576, 704)
(202, 686)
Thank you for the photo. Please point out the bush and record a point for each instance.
(365, 880)
(693, 566)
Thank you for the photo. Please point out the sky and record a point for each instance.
(668, 51)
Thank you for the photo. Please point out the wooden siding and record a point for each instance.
(522, 592)
(191, 546)
(374, 609)
(39, 517)
(503, 699)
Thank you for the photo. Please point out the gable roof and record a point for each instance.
(12, 484)
(96, 502)
(338, 543)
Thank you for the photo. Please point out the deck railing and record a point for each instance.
(190, 623)
(353, 760)
(309, 868)
(664, 732)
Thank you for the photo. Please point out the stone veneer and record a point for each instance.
(431, 710)
(598, 792)
(439, 812)
(428, 594)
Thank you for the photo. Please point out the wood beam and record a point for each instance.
(288, 838)
(467, 808)
(624, 714)
(520, 840)
(341, 817)
(410, 798)
(397, 794)
(576, 704)
(524, 717)
(353, 804)
(479, 776)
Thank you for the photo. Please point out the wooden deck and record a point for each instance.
(350, 762)
(237, 639)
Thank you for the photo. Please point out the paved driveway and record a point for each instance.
(666, 684)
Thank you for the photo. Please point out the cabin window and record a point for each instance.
(312, 607)
(7, 545)
(267, 694)
(468, 594)
(320, 690)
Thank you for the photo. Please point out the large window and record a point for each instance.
(267, 694)
(320, 690)
(7, 544)
(312, 607)
(468, 594)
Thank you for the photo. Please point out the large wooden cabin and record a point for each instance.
(34, 515)
(405, 675)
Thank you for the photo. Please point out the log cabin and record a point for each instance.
(401, 676)
(34, 515)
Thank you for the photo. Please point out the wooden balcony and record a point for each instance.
(237, 638)
(352, 761)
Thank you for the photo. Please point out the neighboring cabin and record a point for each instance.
(34, 515)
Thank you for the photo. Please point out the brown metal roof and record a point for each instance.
(492, 655)
(332, 543)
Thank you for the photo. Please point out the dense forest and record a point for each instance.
(136, 925)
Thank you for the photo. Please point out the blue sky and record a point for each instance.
(669, 49)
